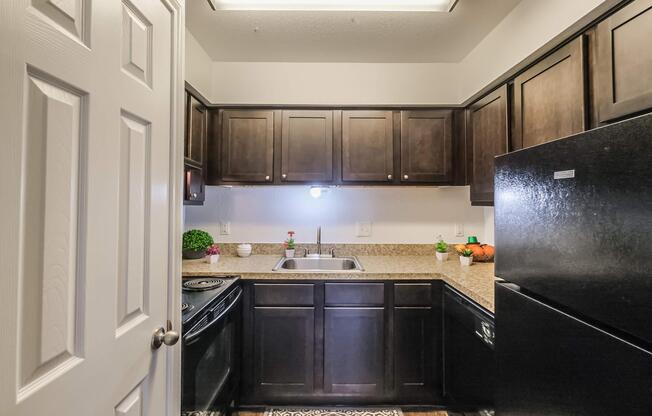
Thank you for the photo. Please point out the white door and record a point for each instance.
(88, 158)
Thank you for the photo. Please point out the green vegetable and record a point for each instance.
(196, 240)
(441, 247)
(467, 253)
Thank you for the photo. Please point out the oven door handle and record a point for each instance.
(193, 335)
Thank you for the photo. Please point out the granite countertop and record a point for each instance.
(476, 281)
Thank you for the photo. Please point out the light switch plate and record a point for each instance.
(225, 228)
(363, 229)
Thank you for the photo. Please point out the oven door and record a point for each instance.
(211, 357)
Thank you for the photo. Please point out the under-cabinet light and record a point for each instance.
(337, 5)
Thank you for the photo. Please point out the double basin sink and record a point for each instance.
(318, 264)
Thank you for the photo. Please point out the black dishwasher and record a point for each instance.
(469, 363)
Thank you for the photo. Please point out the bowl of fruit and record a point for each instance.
(481, 252)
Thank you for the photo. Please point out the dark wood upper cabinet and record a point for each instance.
(196, 131)
(307, 146)
(367, 146)
(354, 357)
(549, 98)
(193, 185)
(624, 62)
(427, 146)
(247, 151)
(487, 137)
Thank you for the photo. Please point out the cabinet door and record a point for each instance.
(247, 145)
(284, 345)
(414, 348)
(195, 146)
(193, 186)
(354, 344)
(488, 137)
(307, 146)
(367, 146)
(427, 146)
(624, 58)
(549, 98)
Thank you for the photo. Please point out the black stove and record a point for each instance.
(201, 293)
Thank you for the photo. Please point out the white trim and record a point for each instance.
(173, 382)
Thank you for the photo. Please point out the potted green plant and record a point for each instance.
(212, 254)
(290, 245)
(466, 257)
(195, 243)
(441, 250)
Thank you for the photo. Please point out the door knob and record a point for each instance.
(284, 176)
(267, 178)
(161, 336)
(389, 177)
(406, 177)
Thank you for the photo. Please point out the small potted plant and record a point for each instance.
(195, 243)
(290, 245)
(212, 254)
(441, 250)
(466, 257)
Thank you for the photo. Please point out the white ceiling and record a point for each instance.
(301, 36)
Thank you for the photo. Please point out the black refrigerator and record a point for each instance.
(573, 222)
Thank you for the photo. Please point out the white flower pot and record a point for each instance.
(289, 253)
(441, 256)
(212, 259)
(466, 261)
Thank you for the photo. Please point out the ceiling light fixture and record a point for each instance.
(338, 5)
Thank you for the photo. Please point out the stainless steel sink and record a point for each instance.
(320, 264)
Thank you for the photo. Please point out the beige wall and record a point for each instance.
(333, 83)
(198, 67)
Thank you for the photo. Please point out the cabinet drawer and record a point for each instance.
(276, 294)
(368, 294)
(413, 294)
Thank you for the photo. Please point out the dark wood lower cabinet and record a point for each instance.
(284, 351)
(354, 351)
(349, 343)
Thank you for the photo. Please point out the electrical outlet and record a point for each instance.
(459, 230)
(225, 228)
(363, 229)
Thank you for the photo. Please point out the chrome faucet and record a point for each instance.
(319, 240)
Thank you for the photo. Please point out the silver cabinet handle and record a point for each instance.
(284, 176)
(161, 336)
(406, 177)
(389, 177)
(194, 195)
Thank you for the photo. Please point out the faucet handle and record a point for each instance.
(332, 250)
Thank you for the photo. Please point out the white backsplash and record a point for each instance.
(264, 214)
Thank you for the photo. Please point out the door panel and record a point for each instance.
(284, 351)
(415, 352)
(427, 146)
(307, 146)
(367, 146)
(488, 136)
(354, 345)
(85, 223)
(247, 145)
(195, 147)
(625, 62)
(549, 98)
(550, 363)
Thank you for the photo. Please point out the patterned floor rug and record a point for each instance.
(334, 411)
